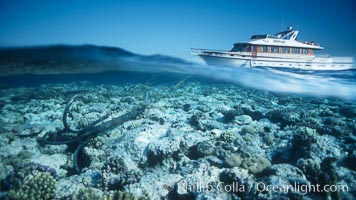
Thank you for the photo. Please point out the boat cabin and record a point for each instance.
(246, 47)
(284, 42)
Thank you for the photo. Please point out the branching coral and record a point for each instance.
(92, 194)
(40, 185)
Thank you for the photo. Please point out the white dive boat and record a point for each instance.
(279, 50)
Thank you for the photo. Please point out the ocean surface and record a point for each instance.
(162, 128)
(340, 84)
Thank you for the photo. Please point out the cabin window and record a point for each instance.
(264, 49)
(295, 50)
(238, 47)
(305, 51)
(274, 50)
(241, 47)
(256, 48)
(248, 48)
(285, 49)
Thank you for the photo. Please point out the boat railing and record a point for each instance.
(323, 55)
(196, 51)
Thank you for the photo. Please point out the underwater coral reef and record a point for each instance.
(182, 141)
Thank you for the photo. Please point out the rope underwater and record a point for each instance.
(87, 133)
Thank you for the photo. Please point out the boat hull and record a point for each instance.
(312, 63)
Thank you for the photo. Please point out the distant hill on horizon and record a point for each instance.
(71, 59)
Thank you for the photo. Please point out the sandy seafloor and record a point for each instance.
(192, 140)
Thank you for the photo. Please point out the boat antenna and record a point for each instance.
(282, 24)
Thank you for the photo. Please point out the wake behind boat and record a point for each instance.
(279, 50)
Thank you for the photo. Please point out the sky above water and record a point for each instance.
(172, 27)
